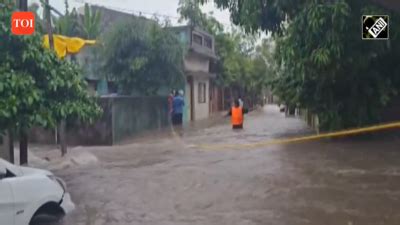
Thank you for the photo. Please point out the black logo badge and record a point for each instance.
(375, 27)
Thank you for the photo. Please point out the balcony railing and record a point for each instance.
(202, 43)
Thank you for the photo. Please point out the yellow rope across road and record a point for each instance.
(303, 139)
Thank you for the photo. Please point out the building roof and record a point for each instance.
(111, 16)
(81, 10)
(184, 27)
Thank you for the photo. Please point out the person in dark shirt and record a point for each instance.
(178, 104)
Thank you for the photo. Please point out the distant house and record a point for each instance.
(199, 55)
(98, 84)
(202, 97)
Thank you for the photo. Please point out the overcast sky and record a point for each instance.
(148, 7)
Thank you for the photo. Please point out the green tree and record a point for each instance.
(323, 63)
(90, 23)
(68, 24)
(141, 56)
(268, 15)
(239, 67)
(39, 23)
(189, 10)
(37, 88)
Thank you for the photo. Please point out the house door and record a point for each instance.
(190, 98)
(210, 99)
(192, 103)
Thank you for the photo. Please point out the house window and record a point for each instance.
(198, 39)
(202, 93)
(208, 42)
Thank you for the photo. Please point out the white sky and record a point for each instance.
(148, 7)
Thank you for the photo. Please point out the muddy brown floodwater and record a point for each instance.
(169, 181)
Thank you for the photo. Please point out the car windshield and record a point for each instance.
(205, 111)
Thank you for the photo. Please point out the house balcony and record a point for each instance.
(202, 43)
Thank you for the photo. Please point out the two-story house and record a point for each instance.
(199, 54)
(97, 82)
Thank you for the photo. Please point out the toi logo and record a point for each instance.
(23, 23)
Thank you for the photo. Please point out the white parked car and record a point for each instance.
(31, 196)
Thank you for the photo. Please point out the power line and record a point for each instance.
(138, 12)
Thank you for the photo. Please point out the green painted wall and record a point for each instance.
(122, 118)
(133, 115)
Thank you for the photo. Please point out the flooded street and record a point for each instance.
(170, 181)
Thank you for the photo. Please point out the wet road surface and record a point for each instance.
(169, 181)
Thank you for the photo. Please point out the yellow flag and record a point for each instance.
(66, 45)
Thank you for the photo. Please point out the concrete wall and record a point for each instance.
(99, 133)
(195, 63)
(202, 110)
(312, 120)
(123, 117)
(186, 115)
(131, 116)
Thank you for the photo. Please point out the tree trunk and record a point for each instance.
(23, 147)
(63, 142)
(23, 139)
(11, 145)
(23, 5)
(47, 11)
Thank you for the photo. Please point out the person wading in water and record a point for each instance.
(178, 104)
(237, 115)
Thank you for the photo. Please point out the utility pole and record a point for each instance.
(61, 125)
(23, 132)
(10, 136)
(48, 23)
(23, 5)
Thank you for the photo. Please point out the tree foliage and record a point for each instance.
(323, 63)
(190, 11)
(39, 23)
(68, 24)
(89, 23)
(36, 88)
(239, 66)
(141, 56)
(265, 14)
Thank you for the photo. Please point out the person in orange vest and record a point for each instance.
(237, 115)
